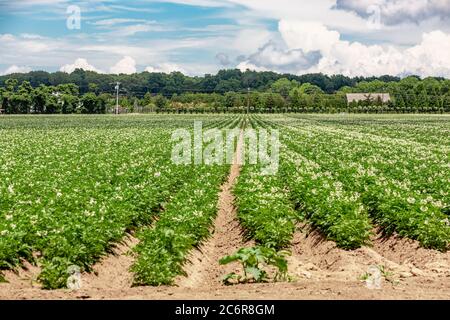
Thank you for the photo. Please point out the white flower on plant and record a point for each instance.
(89, 213)
(423, 209)
(197, 213)
(4, 232)
(338, 185)
(11, 188)
(9, 217)
(411, 200)
(157, 174)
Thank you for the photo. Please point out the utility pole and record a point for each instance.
(248, 100)
(117, 97)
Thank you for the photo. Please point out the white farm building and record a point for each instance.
(373, 97)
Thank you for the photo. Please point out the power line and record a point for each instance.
(248, 100)
(117, 96)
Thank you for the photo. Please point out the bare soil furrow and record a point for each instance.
(203, 269)
(113, 271)
(402, 263)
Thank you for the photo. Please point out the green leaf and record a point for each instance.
(229, 259)
(258, 274)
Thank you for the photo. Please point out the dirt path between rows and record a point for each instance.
(203, 269)
(25, 277)
(113, 271)
(401, 265)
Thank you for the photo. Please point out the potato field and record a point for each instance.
(349, 192)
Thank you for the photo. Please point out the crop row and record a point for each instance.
(320, 198)
(70, 191)
(186, 221)
(429, 130)
(263, 204)
(374, 173)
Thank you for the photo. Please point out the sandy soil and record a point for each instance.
(319, 269)
(204, 269)
(113, 272)
(304, 289)
(21, 279)
(400, 262)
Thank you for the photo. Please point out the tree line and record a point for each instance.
(228, 91)
(22, 98)
(139, 84)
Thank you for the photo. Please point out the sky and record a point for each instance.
(196, 37)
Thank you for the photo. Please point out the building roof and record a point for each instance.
(385, 97)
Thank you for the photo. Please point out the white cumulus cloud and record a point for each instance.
(165, 67)
(127, 65)
(272, 58)
(15, 69)
(312, 47)
(432, 56)
(79, 63)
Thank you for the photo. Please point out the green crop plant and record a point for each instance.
(254, 260)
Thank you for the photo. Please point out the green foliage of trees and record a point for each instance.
(64, 98)
(90, 92)
(169, 84)
(160, 102)
(284, 86)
